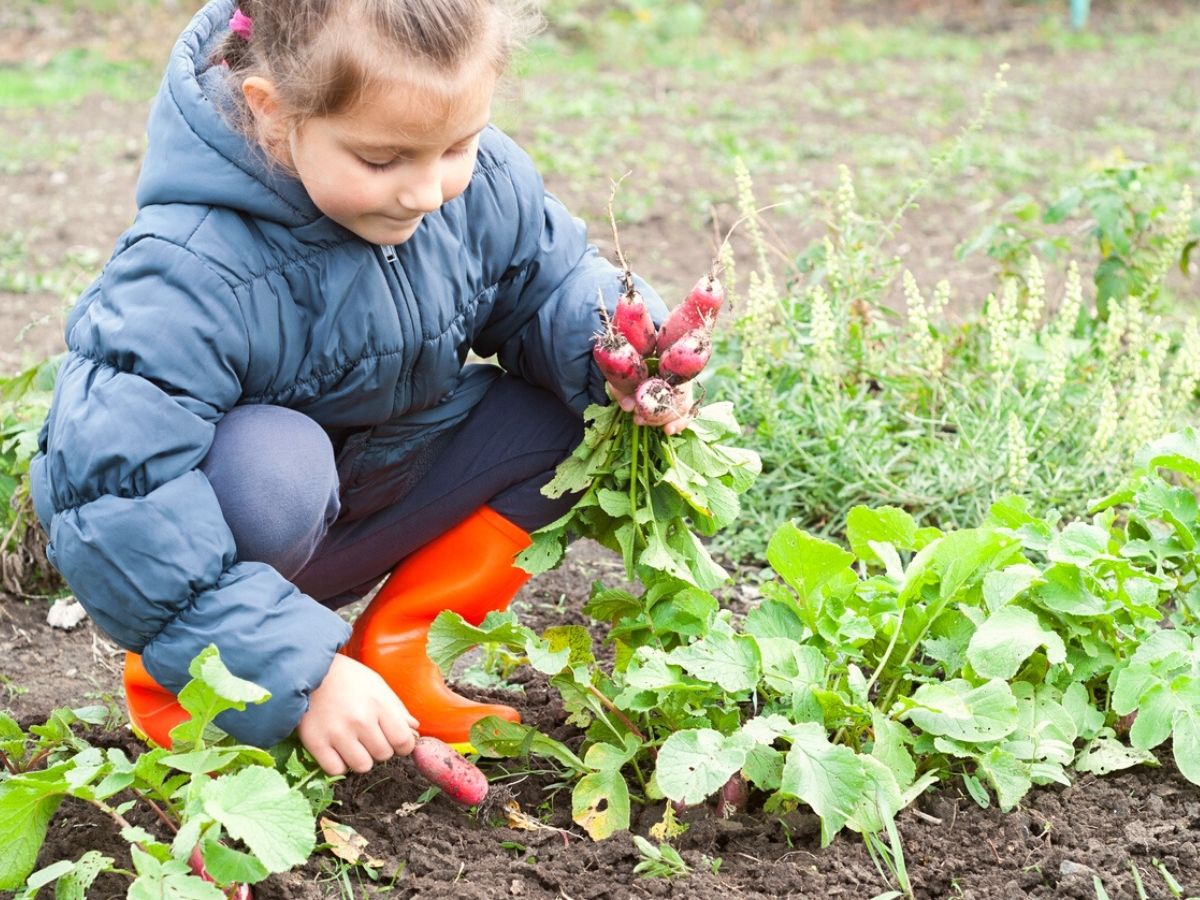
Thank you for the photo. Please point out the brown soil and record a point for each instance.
(1053, 846)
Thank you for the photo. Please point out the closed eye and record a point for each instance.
(379, 167)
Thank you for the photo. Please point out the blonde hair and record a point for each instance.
(323, 56)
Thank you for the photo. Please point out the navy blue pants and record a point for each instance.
(275, 474)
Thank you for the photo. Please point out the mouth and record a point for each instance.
(404, 222)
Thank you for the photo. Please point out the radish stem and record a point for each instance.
(633, 468)
(616, 711)
(158, 811)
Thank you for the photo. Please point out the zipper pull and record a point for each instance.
(389, 252)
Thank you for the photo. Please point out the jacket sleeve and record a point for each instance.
(546, 311)
(158, 352)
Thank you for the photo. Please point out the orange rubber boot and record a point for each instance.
(468, 570)
(153, 709)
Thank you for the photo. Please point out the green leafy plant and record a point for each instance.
(1143, 225)
(1140, 237)
(24, 402)
(234, 812)
(643, 494)
(1018, 232)
(1008, 655)
(662, 861)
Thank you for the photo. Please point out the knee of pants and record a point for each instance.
(274, 475)
(527, 507)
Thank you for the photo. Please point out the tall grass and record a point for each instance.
(852, 401)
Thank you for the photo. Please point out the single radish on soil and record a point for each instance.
(699, 309)
(449, 770)
(733, 796)
(632, 319)
(619, 361)
(685, 358)
(658, 402)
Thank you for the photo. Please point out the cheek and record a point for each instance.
(342, 194)
(457, 178)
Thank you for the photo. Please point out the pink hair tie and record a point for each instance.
(241, 25)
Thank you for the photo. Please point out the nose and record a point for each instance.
(421, 192)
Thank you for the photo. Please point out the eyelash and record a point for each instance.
(383, 167)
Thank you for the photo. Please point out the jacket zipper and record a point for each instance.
(410, 307)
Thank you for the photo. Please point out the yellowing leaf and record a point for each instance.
(344, 842)
(669, 827)
(600, 804)
(519, 819)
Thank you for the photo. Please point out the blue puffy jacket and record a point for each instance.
(232, 288)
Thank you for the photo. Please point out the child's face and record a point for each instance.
(400, 153)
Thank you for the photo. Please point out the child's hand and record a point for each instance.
(670, 427)
(355, 720)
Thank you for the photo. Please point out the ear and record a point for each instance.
(265, 105)
(263, 100)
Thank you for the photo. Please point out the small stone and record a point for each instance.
(729, 826)
(1068, 868)
(1138, 836)
(65, 614)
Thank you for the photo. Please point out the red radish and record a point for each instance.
(619, 361)
(685, 358)
(449, 770)
(196, 863)
(708, 296)
(733, 796)
(698, 310)
(658, 402)
(632, 319)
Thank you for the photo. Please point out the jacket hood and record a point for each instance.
(194, 154)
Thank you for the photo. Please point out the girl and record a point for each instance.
(265, 406)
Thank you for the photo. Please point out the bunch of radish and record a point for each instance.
(652, 364)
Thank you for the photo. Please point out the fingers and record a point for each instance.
(328, 759)
(355, 755)
(377, 744)
(357, 746)
(412, 721)
(400, 737)
(360, 752)
(624, 400)
(675, 426)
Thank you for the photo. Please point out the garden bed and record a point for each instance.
(1054, 845)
